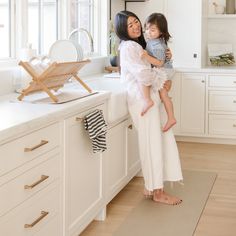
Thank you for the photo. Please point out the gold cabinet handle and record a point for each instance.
(43, 178)
(130, 126)
(43, 214)
(79, 119)
(43, 142)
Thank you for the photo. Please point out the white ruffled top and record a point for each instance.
(136, 71)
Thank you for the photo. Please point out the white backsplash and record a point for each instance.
(222, 31)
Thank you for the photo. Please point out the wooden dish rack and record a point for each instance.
(48, 76)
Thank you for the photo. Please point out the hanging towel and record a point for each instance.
(96, 126)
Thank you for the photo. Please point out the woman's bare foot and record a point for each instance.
(162, 197)
(169, 124)
(147, 193)
(147, 105)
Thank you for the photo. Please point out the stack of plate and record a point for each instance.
(65, 51)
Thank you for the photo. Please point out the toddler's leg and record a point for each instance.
(148, 103)
(169, 109)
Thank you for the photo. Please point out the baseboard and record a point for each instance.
(205, 140)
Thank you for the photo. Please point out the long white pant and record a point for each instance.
(158, 151)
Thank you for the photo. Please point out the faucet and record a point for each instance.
(90, 38)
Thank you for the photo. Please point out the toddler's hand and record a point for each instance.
(168, 54)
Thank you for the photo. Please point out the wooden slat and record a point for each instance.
(53, 76)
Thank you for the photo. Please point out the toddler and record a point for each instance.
(156, 30)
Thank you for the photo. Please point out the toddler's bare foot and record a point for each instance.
(147, 105)
(162, 197)
(169, 124)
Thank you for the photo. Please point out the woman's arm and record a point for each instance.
(154, 61)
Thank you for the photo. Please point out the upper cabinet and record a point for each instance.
(187, 28)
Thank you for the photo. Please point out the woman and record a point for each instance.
(158, 151)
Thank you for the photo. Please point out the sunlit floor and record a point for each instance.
(219, 216)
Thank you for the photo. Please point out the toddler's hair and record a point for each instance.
(160, 21)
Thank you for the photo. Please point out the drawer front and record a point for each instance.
(222, 125)
(222, 81)
(222, 101)
(51, 228)
(32, 216)
(79, 118)
(26, 148)
(24, 186)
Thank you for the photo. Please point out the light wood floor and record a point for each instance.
(219, 215)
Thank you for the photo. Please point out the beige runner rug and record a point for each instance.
(155, 219)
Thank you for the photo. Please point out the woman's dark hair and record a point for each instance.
(160, 21)
(121, 27)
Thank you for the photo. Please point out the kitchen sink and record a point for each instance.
(117, 105)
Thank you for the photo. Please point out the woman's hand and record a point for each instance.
(144, 54)
(168, 54)
(167, 85)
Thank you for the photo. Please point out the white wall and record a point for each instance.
(144, 9)
(141, 9)
(222, 31)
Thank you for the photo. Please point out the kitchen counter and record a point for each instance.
(210, 69)
(18, 117)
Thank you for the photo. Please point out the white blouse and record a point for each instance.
(136, 71)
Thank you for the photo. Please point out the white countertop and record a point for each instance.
(18, 117)
(210, 69)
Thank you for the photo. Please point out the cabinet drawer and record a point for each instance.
(32, 216)
(78, 118)
(222, 81)
(24, 186)
(222, 101)
(222, 125)
(15, 153)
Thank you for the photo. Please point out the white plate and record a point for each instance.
(64, 51)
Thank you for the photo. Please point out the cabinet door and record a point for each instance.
(175, 95)
(132, 150)
(116, 160)
(184, 23)
(84, 188)
(193, 104)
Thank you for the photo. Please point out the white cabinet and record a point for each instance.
(175, 95)
(30, 184)
(133, 164)
(83, 175)
(187, 26)
(222, 105)
(192, 104)
(116, 160)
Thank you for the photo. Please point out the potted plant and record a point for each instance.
(114, 44)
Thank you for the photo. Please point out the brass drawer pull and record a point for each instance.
(43, 142)
(43, 177)
(79, 119)
(130, 126)
(43, 214)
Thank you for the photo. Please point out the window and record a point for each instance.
(82, 16)
(42, 24)
(5, 26)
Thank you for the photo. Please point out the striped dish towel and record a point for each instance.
(96, 126)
